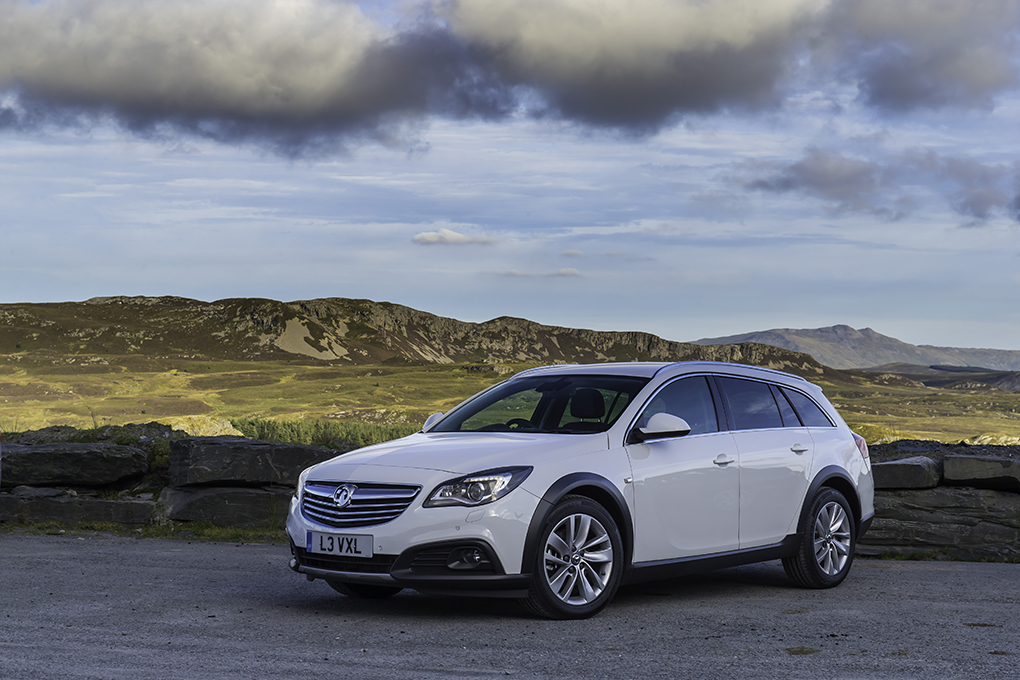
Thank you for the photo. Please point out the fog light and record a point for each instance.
(468, 558)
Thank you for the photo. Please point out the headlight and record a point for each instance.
(299, 492)
(479, 488)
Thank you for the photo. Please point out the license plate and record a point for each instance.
(347, 545)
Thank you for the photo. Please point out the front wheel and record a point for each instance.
(579, 564)
(827, 543)
(363, 591)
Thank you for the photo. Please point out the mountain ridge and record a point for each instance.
(844, 347)
(336, 331)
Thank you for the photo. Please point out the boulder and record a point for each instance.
(72, 464)
(64, 508)
(954, 522)
(227, 506)
(919, 472)
(219, 460)
(983, 472)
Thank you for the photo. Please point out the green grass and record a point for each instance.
(320, 432)
(39, 391)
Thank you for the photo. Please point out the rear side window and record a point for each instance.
(687, 398)
(810, 414)
(751, 404)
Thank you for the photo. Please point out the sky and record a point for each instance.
(689, 168)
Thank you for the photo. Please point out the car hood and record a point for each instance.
(455, 453)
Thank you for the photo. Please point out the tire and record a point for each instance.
(363, 591)
(578, 563)
(827, 543)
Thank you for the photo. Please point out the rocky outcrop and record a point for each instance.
(234, 482)
(340, 331)
(918, 472)
(228, 481)
(951, 522)
(219, 460)
(945, 503)
(247, 508)
(95, 464)
(31, 505)
(984, 472)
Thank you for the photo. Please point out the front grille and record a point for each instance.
(370, 504)
(379, 564)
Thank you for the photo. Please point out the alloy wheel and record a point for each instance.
(578, 559)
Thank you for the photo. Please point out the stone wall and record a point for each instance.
(947, 504)
(931, 499)
(228, 481)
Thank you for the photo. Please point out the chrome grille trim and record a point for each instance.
(370, 504)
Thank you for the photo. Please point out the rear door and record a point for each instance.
(775, 453)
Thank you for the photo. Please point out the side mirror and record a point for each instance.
(431, 421)
(660, 426)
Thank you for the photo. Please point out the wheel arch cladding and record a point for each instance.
(589, 485)
(835, 478)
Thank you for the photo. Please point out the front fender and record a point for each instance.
(595, 487)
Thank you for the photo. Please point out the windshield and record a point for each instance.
(567, 404)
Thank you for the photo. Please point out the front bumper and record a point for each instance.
(425, 548)
(433, 568)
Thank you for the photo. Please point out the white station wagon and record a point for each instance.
(564, 482)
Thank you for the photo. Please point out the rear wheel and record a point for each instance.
(578, 566)
(827, 543)
(363, 591)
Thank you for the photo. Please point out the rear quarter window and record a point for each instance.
(810, 413)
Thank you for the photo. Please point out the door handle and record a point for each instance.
(798, 448)
(722, 460)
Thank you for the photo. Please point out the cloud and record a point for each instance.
(912, 54)
(295, 75)
(311, 77)
(637, 64)
(448, 237)
(977, 191)
(845, 182)
(515, 273)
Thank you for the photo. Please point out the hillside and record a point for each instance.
(848, 348)
(336, 331)
(113, 361)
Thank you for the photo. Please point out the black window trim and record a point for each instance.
(723, 414)
(720, 415)
(812, 400)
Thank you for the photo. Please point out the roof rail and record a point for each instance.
(678, 364)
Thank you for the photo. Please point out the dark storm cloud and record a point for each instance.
(296, 75)
(976, 191)
(909, 54)
(308, 76)
(638, 64)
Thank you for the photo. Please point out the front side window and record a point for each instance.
(687, 398)
(751, 404)
(565, 404)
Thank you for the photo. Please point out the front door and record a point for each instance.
(686, 489)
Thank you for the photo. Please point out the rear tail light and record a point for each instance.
(862, 445)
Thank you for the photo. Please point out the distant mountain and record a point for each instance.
(845, 347)
(91, 334)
